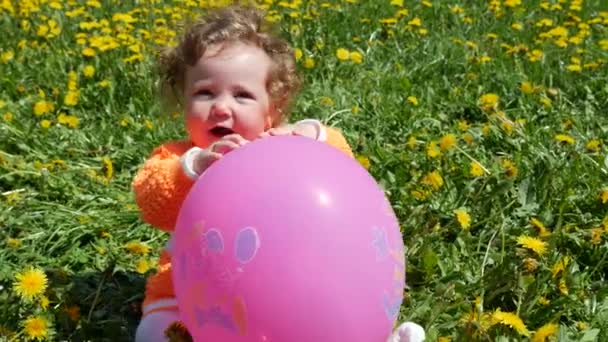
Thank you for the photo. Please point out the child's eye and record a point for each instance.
(244, 95)
(204, 92)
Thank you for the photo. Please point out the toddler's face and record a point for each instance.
(225, 93)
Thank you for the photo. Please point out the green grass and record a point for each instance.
(67, 206)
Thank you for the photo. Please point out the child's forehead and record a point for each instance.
(235, 51)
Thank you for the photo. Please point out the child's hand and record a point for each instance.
(205, 157)
(302, 129)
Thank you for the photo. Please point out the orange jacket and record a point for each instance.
(160, 188)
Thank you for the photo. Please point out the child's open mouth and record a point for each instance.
(221, 131)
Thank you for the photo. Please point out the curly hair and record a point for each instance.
(227, 25)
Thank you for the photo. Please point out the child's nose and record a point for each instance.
(220, 110)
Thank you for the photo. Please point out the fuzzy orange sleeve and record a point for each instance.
(337, 140)
(160, 186)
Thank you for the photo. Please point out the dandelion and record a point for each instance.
(526, 87)
(88, 71)
(530, 265)
(68, 120)
(342, 54)
(416, 22)
(596, 236)
(43, 107)
(475, 169)
(364, 161)
(447, 142)
(534, 244)
(88, 52)
(356, 57)
(511, 170)
(543, 333)
(593, 145)
(30, 283)
(433, 179)
(468, 138)
(560, 266)
(136, 247)
(546, 102)
(517, 26)
(432, 150)
(489, 101)
(36, 327)
(45, 124)
(413, 100)
(542, 230)
(71, 98)
(309, 63)
(463, 218)
(7, 56)
(13, 243)
(142, 266)
(535, 55)
(511, 320)
(563, 287)
(412, 142)
(44, 302)
(544, 301)
(298, 54)
(8, 116)
(604, 196)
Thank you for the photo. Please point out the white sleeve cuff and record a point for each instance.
(187, 161)
(321, 132)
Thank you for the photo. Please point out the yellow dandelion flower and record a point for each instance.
(511, 170)
(71, 98)
(107, 168)
(142, 266)
(45, 124)
(13, 243)
(517, 26)
(543, 301)
(447, 142)
(489, 101)
(88, 52)
(420, 194)
(416, 22)
(433, 179)
(604, 196)
(356, 57)
(104, 83)
(564, 139)
(593, 145)
(44, 302)
(535, 55)
(7, 56)
(298, 54)
(582, 325)
(342, 54)
(8, 116)
(137, 247)
(476, 169)
(68, 120)
(563, 287)
(542, 230)
(364, 161)
(30, 283)
(532, 243)
(413, 100)
(596, 235)
(43, 107)
(526, 87)
(463, 125)
(412, 142)
(560, 266)
(463, 218)
(88, 71)
(468, 138)
(309, 63)
(36, 327)
(545, 101)
(543, 333)
(432, 150)
(511, 320)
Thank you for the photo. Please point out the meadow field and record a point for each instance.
(486, 122)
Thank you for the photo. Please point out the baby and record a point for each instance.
(235, 81)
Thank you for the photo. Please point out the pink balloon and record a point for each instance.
(288, 239)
